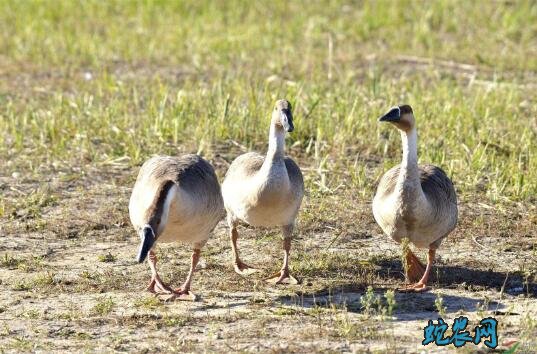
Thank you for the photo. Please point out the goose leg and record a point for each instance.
(156, 286)
(239, 266)
(414, 267)
(421, 285)
(184, 293)
(283, 276)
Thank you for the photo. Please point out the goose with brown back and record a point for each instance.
(175, 199)
(265, 191)
(414, 201)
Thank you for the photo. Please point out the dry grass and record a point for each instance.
(89, 90)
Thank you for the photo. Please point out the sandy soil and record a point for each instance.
(70, 282)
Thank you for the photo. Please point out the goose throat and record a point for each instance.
(276, 146)
(409, 165)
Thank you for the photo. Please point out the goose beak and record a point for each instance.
(287, 121)
(394, 115)
(148, 239)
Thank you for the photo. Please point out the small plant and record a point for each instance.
(483, 307)
(368, 301)
(25, 264)
(372, 303)
(104, 307)
(10, 262)
(284, 311)
(344, 325)
(107, 258)
(44, 279)
(22, 344)
(31, 207)
(6, 331)
(148, 303)
(439, 304)
(89, 275)
(32, 314)
(21, 285)
(175, 321)
(390, 301)
(31, 264)
(82, 336)
(527, 335)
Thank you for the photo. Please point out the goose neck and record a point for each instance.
(276, 146)
(409, 165)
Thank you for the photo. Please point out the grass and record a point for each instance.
(90, 89)
(26, 264)
(107, 258)
(102, 96)
(38, 282)
(439, 305)
(104, 306)
(148, 303)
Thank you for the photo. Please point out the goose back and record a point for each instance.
(426, 217)
(182, 193)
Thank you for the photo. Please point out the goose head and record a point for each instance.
(148, 238)
(282, 116)
(400, 116)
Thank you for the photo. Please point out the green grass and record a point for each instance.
(104, 306)
(97, 84)
(107, 258)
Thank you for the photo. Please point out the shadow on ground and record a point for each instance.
(410, 306)
(447, 276)
(420, 306)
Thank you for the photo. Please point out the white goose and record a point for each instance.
(175, 199)
(265, 191)
(414, 201)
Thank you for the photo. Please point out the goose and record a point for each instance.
(174, 199)
(417, 202)
(265, 191)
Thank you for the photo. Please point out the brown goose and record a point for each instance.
(175, 199)
(265, 191)
(414, 201)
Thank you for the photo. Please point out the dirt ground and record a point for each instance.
(70, 282)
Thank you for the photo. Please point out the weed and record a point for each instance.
(20, 343)
(483, 307)
(44, 279)
(107, 258)
(284, 311)
(175, 321)
(21, 285)
(439, 305)
(528, 331)
(372, 303)
(104, 306)
(148, 303)
(83, 102)
(9, 261)
(369, 300)
(32, 206)
(32, 314)
(390, 300)
(26, 264)
(31, 264)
